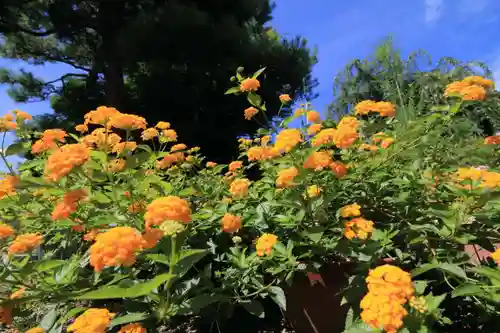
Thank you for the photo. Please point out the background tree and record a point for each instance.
(415, 83)
(165, 60)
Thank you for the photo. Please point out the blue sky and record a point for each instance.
(347, 29)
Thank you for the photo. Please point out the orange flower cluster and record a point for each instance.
(492, 140)
(7, 124)
(239, 187)
(286, 177)
(82, 128)
(35, 330)
(170, 134)
(249, 84)
(116, 247)
(265, 244)
(384, 109)
(167, 208)
(64, 159)
(5, 231)
(211, 164)
(149, 134)
(101, 116)
(343, 136)
(102, 139)
(313, 129)
(170, 159)
(132, 328)
(8, 185)
(485, 178)
(231, 223)
(235, 165)
(122, 147)
(128, 122)
(318, 160)
(68, 205)
(389, 288)
(358, 228)
(472, 88)
(313, 117)
(367, 147)
(116, 165)
(24, 243)
(287, 139)
(250, 112)
(49, 140)
(285, 98)
(382, 138)
(92, 321)
(21, 115)
(178, 147)
(352, 210)
(339, 169)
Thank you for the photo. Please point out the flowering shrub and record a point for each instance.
(101, 232)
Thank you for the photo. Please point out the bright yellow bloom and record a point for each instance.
(265, 244)
(239, 187)
(496, 256)
(128, 122)
(368, 147)
(35, 330)
(116, 247)
(170, 134)
(358, 228)
(63, 160)
(92, 321)
(167, 208)
(313, 191)
(313, 117)
(384, 109)
(324, 137)
(285, 98)
(101, 116)
(170, 228)
(351, 210)
(102, 139)
(314, 128)
(419, 304)
(5, 231)
(479, 81)
(249, 84)
(132, 328)
(287, 139)
(265, 140)
(365, 107)
(299, 112)
(250, 112)
(348, 123)
(149, 133)
(24, 243)
(318, 160)
(286, 177)
(230, 223)
(473, 93)
(163, 125)
(387, 142)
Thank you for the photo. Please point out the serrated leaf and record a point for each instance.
(232, 90)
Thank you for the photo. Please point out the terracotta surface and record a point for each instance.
(477, 253)
(313, 303)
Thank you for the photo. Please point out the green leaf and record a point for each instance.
(254, 99)
(71, 313)
(186, 260)
(420, 286)
(491, 273)
(257, 74)
(449, 268)
(255, 308)
(99, 156)
(156, 257)
(433, 302)
(31, 164)
(314, 233)
(129, 318)
(17, 148)
(42, 266)
(196, 304)
(232, 90)
(187, 192)
(101, 198)
(137, 290)
(49, 319)
(467, 289)
(278, 296)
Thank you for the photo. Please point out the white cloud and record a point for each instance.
(495, 68)
(433, 10)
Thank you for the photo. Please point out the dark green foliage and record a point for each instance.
(164, 60)
(415, 84)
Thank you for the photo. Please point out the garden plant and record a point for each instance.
(123, 228)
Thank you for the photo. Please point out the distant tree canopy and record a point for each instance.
(163, 59)
(415, 84)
